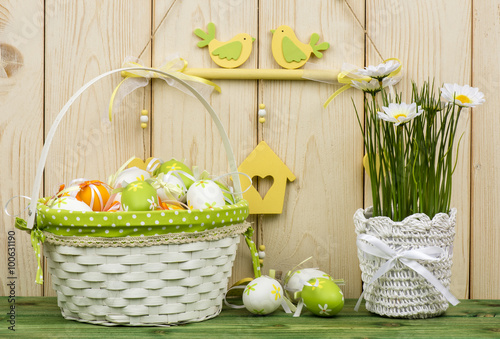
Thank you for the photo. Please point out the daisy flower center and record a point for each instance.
(463, 99)
(399, 114)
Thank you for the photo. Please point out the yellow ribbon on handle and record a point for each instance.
(337, 92)
(397, 70)
(348, 76)
(175, 65)
(112, 99)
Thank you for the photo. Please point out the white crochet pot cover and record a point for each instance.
(401, 292)
(158, 285)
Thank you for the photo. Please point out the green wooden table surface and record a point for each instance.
(39, 317)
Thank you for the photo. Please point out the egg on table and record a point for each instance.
(139, 196)
(296, 280)
(322, 297)
(262, 295)
(205, 194)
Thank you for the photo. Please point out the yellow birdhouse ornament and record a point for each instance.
(289, 52)
(228, 54)
(263, 162)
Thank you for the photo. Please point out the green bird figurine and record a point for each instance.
(229, 54)
(289, 52)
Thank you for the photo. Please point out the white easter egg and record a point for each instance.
(170, 179)
(130, 175)
(263, 295)
(205, 194)
(70, 204)
(295, 282)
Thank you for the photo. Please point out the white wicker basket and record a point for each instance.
(142, 286)
(401, 292)
(170, 278)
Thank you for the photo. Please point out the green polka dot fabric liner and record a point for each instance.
(138, 224)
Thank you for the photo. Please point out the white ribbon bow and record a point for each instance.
(376, 247)
(300, 305)
(172, 191)
(139, 78)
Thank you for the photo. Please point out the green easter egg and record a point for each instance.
(227, 196)
(175, 165)
(322, 297)
(139, 196)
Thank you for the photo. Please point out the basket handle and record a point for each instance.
(45, 150)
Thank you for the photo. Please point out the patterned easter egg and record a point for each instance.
(322, 297)
(205, 194)
(171, 188)
(295, 281)
(153, 165)
(94, 193)
(130, 175)
(179, 168)
(139, 196)
(262, 295)
(70, 204)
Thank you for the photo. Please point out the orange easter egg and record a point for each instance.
(94, 193)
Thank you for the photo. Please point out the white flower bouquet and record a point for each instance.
(410, 147)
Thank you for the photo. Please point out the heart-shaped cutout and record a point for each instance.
(263, 184)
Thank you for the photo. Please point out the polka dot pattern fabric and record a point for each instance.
(138, 224)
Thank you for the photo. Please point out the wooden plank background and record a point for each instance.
(66, 43)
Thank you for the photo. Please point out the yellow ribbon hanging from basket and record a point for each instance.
(349, 75)
(139, 78)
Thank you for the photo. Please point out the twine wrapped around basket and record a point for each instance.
(165, 268)
(406, 266)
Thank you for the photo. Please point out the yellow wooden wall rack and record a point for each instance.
(264, 74)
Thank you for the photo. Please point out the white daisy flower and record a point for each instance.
(374, 85)
(400, 113)
(391, 81)
(152, 203)
(324, 309)
(380, 71)
(465, 96)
